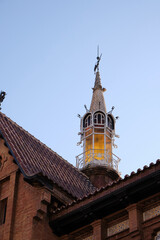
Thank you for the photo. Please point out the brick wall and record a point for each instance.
(26, 215)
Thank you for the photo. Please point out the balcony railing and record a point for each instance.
(99, 157)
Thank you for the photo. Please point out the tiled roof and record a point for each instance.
(121, 182)
(34, 157)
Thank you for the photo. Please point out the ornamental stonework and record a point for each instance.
(153, 212)
(118, 228)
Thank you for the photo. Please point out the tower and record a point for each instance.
(97, 130)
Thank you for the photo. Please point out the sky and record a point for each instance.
(48, 51)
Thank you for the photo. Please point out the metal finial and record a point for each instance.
(2, 97)
(97, 52)
(96, 67)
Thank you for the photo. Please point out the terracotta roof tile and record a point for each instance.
(34, 157)
(110, 185)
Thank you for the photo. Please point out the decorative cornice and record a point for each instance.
(100, 206)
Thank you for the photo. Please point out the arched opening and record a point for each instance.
(110, 122)
(99, 118)
(87, 121)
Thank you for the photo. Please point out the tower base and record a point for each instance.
(100, 176)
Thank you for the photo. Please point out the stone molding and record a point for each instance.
(153, 212)
(117, 228)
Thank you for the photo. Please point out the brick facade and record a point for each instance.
(136, 227)
(26, 215)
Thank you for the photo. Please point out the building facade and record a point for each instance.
(43, 197)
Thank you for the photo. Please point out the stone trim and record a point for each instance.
(118, 228)
(153, 212)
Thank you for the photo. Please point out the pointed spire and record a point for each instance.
(97, 84)
(98, 102)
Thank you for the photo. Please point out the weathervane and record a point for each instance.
(96, 67)
(2, 97)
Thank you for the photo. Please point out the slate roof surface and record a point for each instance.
(34, 157)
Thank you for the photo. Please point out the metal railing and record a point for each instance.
(97, 157)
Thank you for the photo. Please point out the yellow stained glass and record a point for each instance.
(108, 149)
(88, 148)
(101, 149)
(99, 146)
(89, 143)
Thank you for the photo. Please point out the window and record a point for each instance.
(3, 209)
(99, 118)
(110, 122)
(87, 121)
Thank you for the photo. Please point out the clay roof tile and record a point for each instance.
(34, 157)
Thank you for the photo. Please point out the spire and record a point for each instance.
(97, 84)
(98, 102)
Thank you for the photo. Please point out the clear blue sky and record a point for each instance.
(47, 56)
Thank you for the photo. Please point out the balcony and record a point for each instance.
(99, 157)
